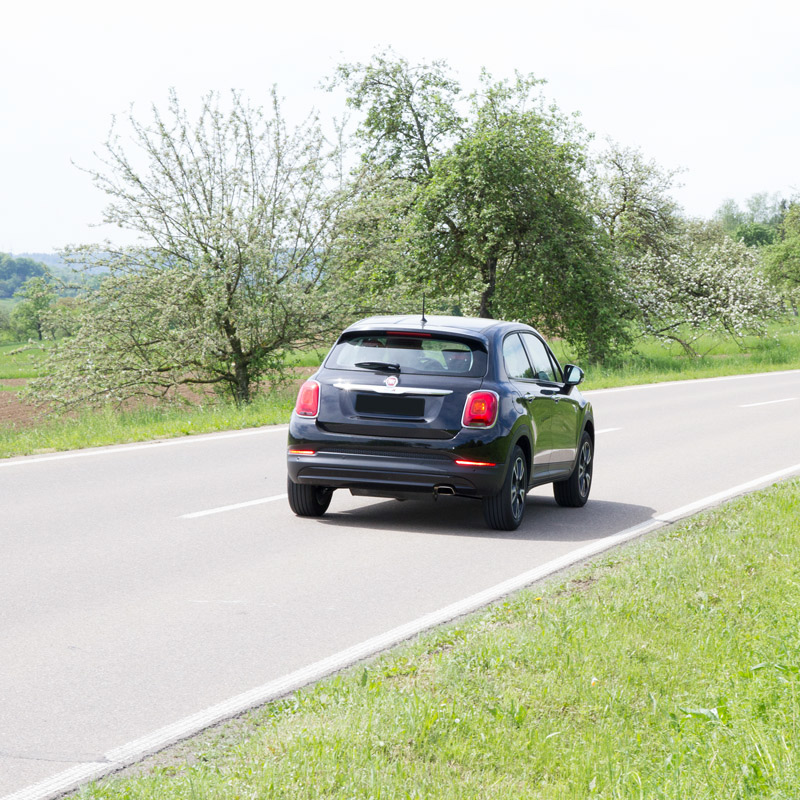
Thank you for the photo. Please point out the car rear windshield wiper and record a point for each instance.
(382, 366)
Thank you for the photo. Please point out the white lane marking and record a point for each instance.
(608, 430)
(127, 448)
(220, 509)
(768, 402)
(637, 386)
(134, 751)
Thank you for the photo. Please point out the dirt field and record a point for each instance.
(12, 410)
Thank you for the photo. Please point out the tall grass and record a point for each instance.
(669, 669)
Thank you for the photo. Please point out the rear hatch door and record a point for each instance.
(406, 385)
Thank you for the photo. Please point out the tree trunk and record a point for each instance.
(489, 274)
(242, 385)
(241, 374)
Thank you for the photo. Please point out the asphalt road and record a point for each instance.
(125, 606)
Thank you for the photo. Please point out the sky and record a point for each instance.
(707, 87)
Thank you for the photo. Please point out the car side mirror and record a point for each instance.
(572, 375)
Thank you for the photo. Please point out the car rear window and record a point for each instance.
(429, 354)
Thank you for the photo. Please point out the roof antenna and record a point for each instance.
(423, 310)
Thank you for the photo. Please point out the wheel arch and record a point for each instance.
(589, 428)
(525, 444)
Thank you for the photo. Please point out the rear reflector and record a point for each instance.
(462, 462)
(480, 410)
(307, 400)
(293, 452)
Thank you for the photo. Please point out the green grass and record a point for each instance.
(667, 669)
(22, 359)
(93, 428)
(652, 362)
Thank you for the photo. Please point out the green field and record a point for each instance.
(22, 359)
(667, 669)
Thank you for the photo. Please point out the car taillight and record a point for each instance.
(307, 400)
(480, 410)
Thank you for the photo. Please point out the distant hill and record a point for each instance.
(16, 269)
(50, 259)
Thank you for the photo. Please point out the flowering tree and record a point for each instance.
(706, 284)
(235, 213)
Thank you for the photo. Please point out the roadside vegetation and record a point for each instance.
(651, 362)
(667, 669)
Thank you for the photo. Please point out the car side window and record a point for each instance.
(517, 364)
(543, 368)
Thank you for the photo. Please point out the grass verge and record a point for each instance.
(652, 362)
(667, 669)
(93, 429)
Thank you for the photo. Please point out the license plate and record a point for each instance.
(390, 406)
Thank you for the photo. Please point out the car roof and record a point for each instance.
(476, 326)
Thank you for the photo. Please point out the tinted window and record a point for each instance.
(435, 353)
(542, 366)
(517, 364)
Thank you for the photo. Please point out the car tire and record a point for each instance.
(574, 491)
(504, 510)
(307, 500)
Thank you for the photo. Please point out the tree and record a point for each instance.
(15, 271)
(782, 258)
(5, 323)
(30, 315)
(755, 234)
(758, 223)
(493, 208)
(707, 283)
(235, 214)
(631, 198)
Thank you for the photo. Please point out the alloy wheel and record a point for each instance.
(585, 468)
(518, 488)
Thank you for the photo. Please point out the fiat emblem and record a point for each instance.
(392, 381)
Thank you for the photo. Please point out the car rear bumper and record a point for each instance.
(394, 473)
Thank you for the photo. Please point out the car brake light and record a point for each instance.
(307, 400)
(295, 452)
(480, 410)
(463, 462)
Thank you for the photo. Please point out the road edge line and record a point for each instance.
(16, 461)
(120, 757)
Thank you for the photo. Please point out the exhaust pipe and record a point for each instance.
(442, 489)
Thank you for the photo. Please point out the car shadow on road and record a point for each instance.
(449, 516)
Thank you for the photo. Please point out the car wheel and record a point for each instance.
(504, 511)
(574, 491)
(306, 500)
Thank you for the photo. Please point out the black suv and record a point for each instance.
(445, 405)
